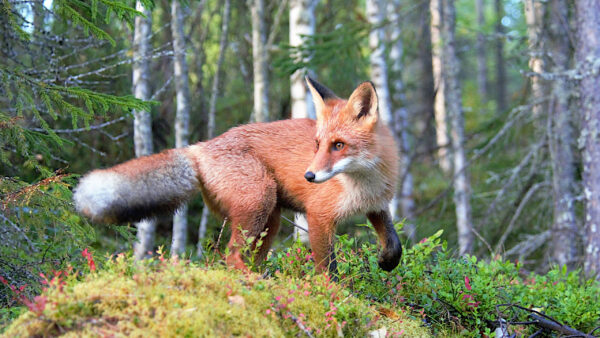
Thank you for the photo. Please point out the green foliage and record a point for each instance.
(172, 297)
(464, 293)
(38, 222)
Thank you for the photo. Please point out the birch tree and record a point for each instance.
(212, 108)
(142, 123)
(182, 118)
(401, 116)
(439, 106)
(445, 12)
(587, 55)
(302, 24)
(260, 60)
(379, 68)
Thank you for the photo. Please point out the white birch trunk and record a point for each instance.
(142, 123)
(379, 72)
(212, 110)
(439, 107)
(587, 55)
(379, 68)
(260, 61)
(462, 186)
(182, 118)
(402, 120)
(302, 23)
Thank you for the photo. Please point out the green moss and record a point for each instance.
(176, 298)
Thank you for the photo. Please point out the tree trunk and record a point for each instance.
(441, 123)
(561, 137)
(212, 108)
(462, 186)
(379, 67)
(379, 73)
(534, 16)
(500, 66)
(402, 120)
(142, 123)
(587, 56)
(260, 61)
(481, 56)
(302, 23)
(182, 118)
(425, 114)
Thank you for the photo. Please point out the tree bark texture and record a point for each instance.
(561, 138)
(260, 61)
(379, 68)
(302, 23)
(402, 120)
(534, 16)
(182, 118)
(425, 115)
(441, 123)
(500, 64)
(587, 57)
(481, 54)
(452, 93)
(142, 123)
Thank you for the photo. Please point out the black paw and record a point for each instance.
(390, 257)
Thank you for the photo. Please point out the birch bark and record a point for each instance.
(182, 118)
(142, 123)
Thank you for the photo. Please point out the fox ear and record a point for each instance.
(319, 94)
(364, 103)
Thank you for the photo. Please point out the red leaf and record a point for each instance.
(467, 283)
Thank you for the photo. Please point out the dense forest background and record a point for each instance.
(491, 102)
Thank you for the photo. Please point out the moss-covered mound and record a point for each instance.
(175, 298)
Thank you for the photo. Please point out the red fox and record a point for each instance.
(342, 164)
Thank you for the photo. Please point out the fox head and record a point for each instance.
(345, 132)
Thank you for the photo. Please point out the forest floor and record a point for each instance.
(431, 293)
(176, 298)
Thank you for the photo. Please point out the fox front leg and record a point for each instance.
(391, 249)
(320, 234)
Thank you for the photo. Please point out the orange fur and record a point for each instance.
(249, 173)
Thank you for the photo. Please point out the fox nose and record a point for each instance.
(310, 176)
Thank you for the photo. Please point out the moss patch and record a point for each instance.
(176, 298)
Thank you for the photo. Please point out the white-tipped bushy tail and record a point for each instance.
(138, 189)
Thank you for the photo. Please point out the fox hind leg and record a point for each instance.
(271, 228)
(249, 213)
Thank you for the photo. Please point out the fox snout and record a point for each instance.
(310, 176)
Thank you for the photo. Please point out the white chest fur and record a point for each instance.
(362, 193)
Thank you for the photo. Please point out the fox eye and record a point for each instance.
(317, 144)
(338, 146)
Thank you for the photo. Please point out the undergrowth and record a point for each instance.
(430, 293)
